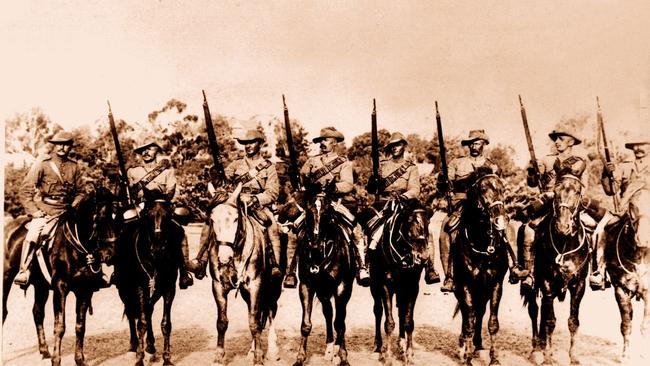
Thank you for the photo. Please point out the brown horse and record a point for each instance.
(395, 270)
(84, 240)
(146, 270)
(562, 254)
(480, 254)
(242, 265)
(628, 260)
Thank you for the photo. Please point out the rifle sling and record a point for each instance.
(327, 168)
(152, 174)
(395, 175)
(246, 177)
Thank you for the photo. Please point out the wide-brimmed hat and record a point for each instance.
(329, 132)
(475, 135)
(395, 138)
(250, 136)
(61, 137)
(642, 139)
(145, 144)
(563, 131)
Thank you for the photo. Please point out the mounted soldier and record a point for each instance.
(628, 179)
(52, 186)
(550, 169)
(461, 178)
(260, 188)
(400, 180)
(332, 174)
(157, 175)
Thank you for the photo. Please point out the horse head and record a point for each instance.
(158, 215)
(566, 204)
(95, 219)
(487, 193)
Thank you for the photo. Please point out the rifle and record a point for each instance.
(124, 179)
(601, 130)
(444, 171)
(294, 173)
(212, 141)
(374, 152)
(529, 142)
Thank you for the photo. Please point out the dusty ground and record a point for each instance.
(194, 331)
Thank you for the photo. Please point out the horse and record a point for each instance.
(395, 270)
(146, 270)
(562, 254)
(627, 262)
(326, 269)
(240, 263)
(83, 240)
(480, 257)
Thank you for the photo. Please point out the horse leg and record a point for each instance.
(254, 309)
(166, 325)
(493, 323)
(41, 293)
(467, 309)
(377, 310)
(409, 323)
(83, 301)
(272, 352)
(328, 313)
(58, 303)
(533, 313)
(307, 302)
(577, 293)
(479, 313)
(624, 301)
(341, 298)
(150, 350)
(221, 298)
(141, 325)
(389, 325)
(548, 326)
(645, 324)
(8, 279)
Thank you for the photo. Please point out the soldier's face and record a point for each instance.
(476, 148)
(149, 154)
(327, 145)
(62, 150)
(641, 150)
(397, 150)
(563, 142)
(252, 148)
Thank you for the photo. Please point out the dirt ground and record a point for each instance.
(194, 329)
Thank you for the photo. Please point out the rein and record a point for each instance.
(618, 252)
(395, 255)
(560, 255)
(152, 279)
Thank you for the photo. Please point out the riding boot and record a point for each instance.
(515, 271)
(527, 277)
(597, 276)
(431, 276)
(198, 265)
(22, 278)
(447, 262)
(185, 279)
(276, 248)
(363, 277)
(290, 280)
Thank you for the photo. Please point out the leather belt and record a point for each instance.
(250, 190)
(54, 200)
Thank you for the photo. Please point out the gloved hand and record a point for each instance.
(443, 185)
(330, 188)
(313, 188)
(609, 169)
(373, 185)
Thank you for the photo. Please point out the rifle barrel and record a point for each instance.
(212, 138)
(601, 128)
(124, 179)
(374, 141)
(293, 157)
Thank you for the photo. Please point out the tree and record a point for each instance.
(29, 132)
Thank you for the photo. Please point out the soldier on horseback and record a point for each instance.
(461, 177)
(260, 189)
(157, 175)
(551, 168)
(332, 174)
(629, 178)
(52, 186)
(400, 179)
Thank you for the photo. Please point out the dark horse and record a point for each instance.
(395, 269)
(146, 269)
(480, 254)
(83, 240)
(242, 265)
(562, 255)
(326, 268)
(627, 258)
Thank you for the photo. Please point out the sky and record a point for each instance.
(331, 58)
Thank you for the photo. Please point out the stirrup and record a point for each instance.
(448, 285)
(290, 280)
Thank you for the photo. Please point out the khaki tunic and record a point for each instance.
(43, 182)
(408, 184)
(461, 169)
(549, 169)
(165, 182)
(342, 175)
(265, 184)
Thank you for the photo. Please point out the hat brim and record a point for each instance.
(139, 149)
(554, 136)
(471, 141)
(248, 141)
(631, 145)
(61, 142)
(395, 142)
(321, 138)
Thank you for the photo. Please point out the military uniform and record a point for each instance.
(52, 185)
(165, 182)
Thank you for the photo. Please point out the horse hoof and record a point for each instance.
(575, 361)
(168, 363)
(536, 357)
(344, 363)
(329, 352)
(46, 354)
(375, 355)
(150, 357)
(494, 362)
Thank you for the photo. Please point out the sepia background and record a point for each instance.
(62, 60)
